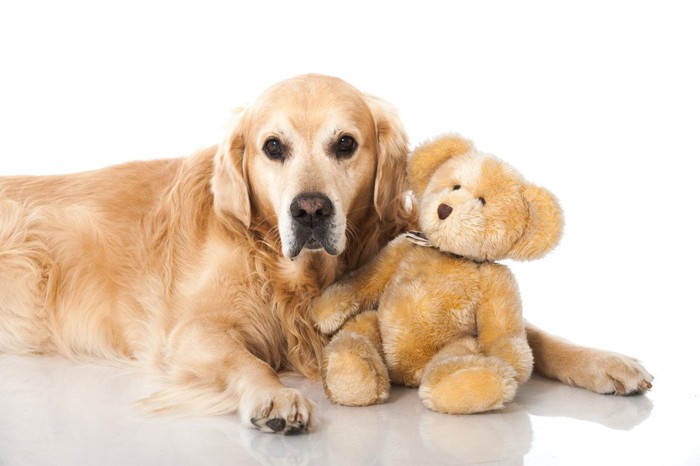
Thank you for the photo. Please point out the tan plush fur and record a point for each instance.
(449, 317)
(179, 266)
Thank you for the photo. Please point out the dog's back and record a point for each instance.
(75, 257)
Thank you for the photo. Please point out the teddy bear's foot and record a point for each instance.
(353, 371)
(467, 384)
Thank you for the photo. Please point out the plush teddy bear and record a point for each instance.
(448, 317)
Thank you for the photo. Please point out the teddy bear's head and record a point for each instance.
(475, 205)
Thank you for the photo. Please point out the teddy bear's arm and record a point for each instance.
(501, 328)
(359, 290)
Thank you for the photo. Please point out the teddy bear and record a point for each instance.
(434, 309)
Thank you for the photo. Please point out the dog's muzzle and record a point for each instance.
(312, 223)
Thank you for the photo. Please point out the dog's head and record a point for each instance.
(310, 156)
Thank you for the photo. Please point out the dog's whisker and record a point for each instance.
(352, 230)
(360, 209)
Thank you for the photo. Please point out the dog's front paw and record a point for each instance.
(611, 373)
(284, 411)
(330, 310)
(627, 375)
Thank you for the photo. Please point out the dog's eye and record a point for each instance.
(345, 147)
(274, 149)
(482, 200)
(456, 187)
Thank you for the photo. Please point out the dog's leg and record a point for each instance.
(593, 369)
(213, 372)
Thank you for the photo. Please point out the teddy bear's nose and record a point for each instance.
(444, 211)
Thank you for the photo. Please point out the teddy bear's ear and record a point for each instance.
(544, 225)
(427, 157)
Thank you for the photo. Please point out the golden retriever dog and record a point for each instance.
(202, 269)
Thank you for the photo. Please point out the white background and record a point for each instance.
(598, 101)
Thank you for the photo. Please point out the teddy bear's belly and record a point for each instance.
(420, 312)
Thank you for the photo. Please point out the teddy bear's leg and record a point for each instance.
(515, 351)
(460, 380)
(353, 371)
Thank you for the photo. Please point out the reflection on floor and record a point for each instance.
(53, 411)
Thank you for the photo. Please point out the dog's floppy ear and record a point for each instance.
(544, 225)
(390, 186)
(230, 182)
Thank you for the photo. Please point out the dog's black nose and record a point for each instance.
(310, 209)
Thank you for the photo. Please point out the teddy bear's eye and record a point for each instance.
(482, 200)
(456, 187)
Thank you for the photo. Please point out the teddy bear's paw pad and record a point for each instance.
(461, 387)
(354, 373)
(612, 374)
(283, 411)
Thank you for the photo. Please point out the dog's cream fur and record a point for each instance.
(180, 265)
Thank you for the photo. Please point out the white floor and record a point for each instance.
(55, 412)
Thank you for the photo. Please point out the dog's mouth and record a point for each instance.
(313, 244)
(318, 239)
